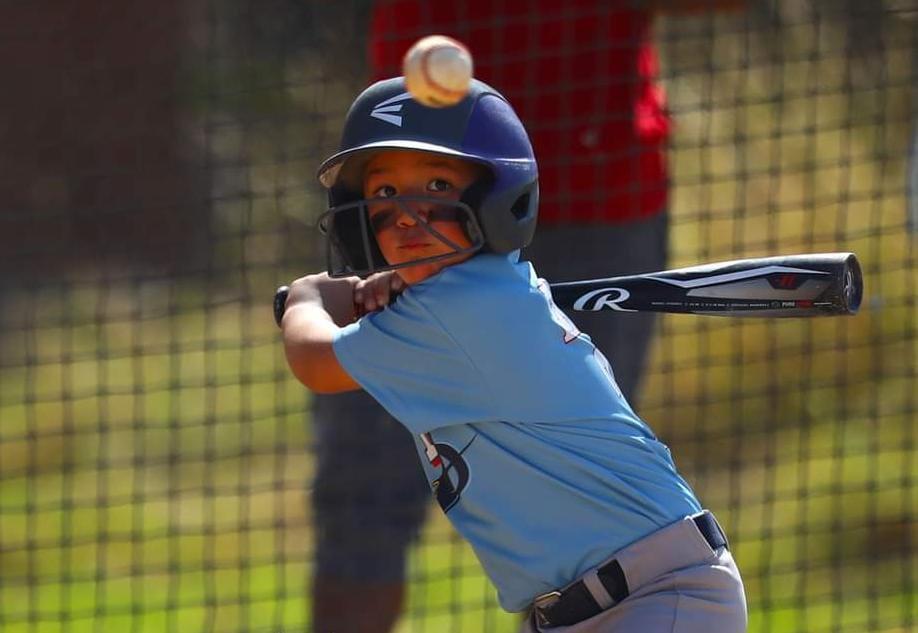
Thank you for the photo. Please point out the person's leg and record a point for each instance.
(342, 606)
(369, 500)
(574, 252)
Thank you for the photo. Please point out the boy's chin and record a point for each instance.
(419, 272)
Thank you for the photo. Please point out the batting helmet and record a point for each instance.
(483, 128)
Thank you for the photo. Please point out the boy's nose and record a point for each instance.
(420, 210)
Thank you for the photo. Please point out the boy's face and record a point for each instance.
(400, 236)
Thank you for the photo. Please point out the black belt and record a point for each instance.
(575, 603)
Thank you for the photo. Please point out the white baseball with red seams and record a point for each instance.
(437, 71)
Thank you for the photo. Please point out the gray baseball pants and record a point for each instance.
(677, 584)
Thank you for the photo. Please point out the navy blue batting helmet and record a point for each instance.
(482, 128)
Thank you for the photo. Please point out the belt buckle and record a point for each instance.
(545, 601)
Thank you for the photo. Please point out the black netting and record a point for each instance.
(157, 169)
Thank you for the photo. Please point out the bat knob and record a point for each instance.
(280, 303)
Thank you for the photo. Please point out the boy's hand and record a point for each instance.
(376, 292)
(334, 296)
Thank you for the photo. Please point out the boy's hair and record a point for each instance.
(501, 207)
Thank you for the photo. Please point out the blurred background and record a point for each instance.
(157, 169)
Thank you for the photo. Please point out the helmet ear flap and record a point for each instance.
(509, 218)
(522, 207)
(473, 196)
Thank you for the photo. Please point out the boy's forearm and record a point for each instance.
(309, 332)
(333, 296)
(308, 322)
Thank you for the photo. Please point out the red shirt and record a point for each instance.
(580, 74)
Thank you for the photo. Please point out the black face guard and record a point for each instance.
(351, 231)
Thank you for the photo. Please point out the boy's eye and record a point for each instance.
(439, 185)
(386, 191)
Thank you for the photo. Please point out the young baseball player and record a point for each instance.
(574, 508)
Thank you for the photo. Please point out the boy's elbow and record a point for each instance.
(318, 382)
(320, 372)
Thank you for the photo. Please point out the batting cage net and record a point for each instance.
(159, 462)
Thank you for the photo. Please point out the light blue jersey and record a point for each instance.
(529, 447)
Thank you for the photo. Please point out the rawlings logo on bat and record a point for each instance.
(603, 298)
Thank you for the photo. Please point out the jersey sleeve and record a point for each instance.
(407, 360)
(538, 367)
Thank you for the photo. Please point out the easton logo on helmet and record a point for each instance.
(384, 109)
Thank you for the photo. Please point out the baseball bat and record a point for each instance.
(818, 284)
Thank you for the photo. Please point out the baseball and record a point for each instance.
(437, 71)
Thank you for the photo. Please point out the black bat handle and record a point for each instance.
(280, 303)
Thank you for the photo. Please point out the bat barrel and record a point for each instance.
(843, 295)
(820, 284)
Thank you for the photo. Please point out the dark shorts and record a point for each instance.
(370, 494)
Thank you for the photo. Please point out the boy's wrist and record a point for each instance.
(333, 297)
